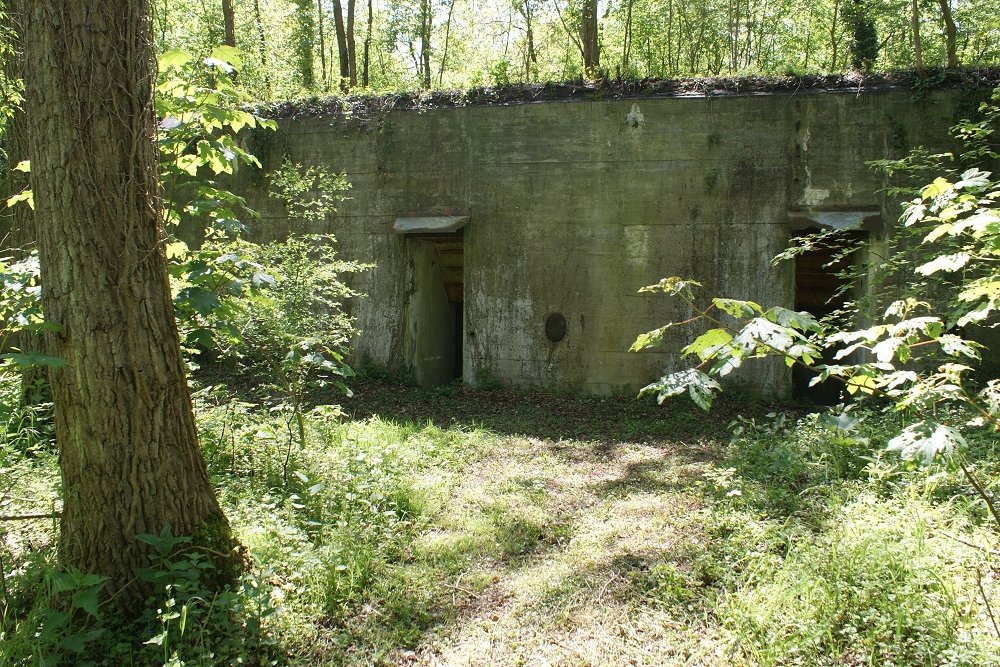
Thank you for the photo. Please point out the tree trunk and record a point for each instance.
(262, 40)
(352, 49)
(588, 38)
(322, 46)
(627, 38)
(447, 41)
(344, 59)
(128, 450)
(834, 38)
(229, 22)
(426, 21)
(915, 27)
(368, 46)
(950, 33)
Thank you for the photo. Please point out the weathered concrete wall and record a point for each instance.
(575, 206)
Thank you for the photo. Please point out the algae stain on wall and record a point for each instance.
(574, 206)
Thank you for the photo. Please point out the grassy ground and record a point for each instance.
(462, 527)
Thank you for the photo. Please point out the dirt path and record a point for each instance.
(595, 544)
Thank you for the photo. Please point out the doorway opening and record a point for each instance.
(436, 306)
(820, 290)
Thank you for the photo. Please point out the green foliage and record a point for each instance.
(200, 114)
(497, 42)
(914, 355)
(310, 194)
(295, 329)
(184, 623)
(21, 311)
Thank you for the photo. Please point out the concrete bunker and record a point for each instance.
(520, 212)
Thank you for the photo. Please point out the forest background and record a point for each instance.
(294, 48)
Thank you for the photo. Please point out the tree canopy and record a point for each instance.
(304, 47)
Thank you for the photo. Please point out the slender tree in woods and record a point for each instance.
(321, 17)
(229, 23)
(426, 23)
(588, 38)
(21, 218)
(918, 59)
(864, 45)
(950, 33)
(345, 44)
(368, 44)
(303, 36)
(352, 49)
(128, 450)
(527, 12)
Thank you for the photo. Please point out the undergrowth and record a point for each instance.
(795, 541)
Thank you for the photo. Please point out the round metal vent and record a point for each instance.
(555, 327)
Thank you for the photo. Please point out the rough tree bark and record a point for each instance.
(950, 33)
(352, 49)
(322, 45)
(588, 38)
(918, 59)
(367, 46)
(229, 23)
(343, 56)
(426, 23)
(128, 450)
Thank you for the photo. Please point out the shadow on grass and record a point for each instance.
(646, 477)
(604, 421)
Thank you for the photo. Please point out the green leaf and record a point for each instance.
(26, 196)
(800, 320)
(707, 344)
(737, 308)
(937, 233)
(87, 600)
(157, 640)
(199, 299)
(935, 189)
(864, 383)
(699, 386)
(228, 54)
(672, 285)
(175, 58)
(78, 641)
(176, 250)
(955, 346)
(926, 440)
(34, 359)
(220, 64)
(952, 262)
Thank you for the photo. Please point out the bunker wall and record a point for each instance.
(574, 206)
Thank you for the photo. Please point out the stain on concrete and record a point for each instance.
(569, 212)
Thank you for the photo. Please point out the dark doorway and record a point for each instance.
(819, 290)
(436, 306)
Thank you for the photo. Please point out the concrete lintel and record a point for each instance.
(868, 220)
(429, 224)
